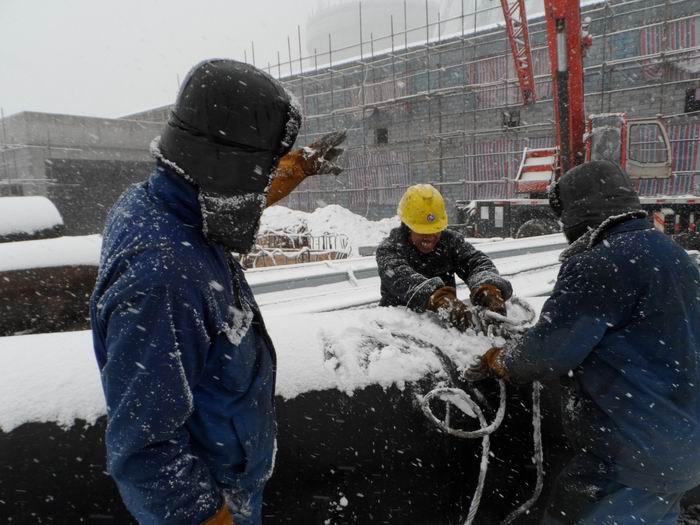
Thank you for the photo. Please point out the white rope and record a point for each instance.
(539, 455)
(449, 395)
(463, 401)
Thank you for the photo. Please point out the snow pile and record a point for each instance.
(282, 219)
(27, 215)
(329, 220)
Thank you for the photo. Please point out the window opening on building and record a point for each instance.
(692, 99)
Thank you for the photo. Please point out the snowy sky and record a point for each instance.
(112, 58)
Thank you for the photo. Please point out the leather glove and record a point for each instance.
(444, 302)
(490, 297)
(488, 365)
(223, 517)
(315, 159)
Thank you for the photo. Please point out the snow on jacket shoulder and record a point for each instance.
(186, 364)
(409, 277)
(622, 330)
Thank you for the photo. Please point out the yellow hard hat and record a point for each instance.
(422, 209)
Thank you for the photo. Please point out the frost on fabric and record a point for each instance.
(592, 236)
(240, 504)
(156, 153)
(241, 321)
(232, 220)
(294, 119)
(176, 356)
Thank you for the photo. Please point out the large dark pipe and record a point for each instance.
(45, 300)
(368, 458)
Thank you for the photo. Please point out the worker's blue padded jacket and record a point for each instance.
(186, 364)
(622, 329)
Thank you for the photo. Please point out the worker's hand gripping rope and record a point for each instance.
(508, 328)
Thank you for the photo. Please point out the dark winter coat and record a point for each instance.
(409, 277)
(622, 330)
(186, 363)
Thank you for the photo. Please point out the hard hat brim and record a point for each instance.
(439, 225)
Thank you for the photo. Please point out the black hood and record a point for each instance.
(229, 127)
(590, 193)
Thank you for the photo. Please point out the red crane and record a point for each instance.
(567, 47)
(516, 24)
(640, 145)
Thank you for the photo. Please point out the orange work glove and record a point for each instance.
(488, 365)
(444, 302)
(490, 297)
(223, 517)
(315, 159)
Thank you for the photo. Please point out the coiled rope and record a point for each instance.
(464, 402)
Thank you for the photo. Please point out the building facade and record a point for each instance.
(445, 111)
(449, 111)
(81, 163)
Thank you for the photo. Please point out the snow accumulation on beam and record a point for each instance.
(54, 377)
(27, 215)
(46, 253)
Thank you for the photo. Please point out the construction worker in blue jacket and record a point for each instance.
(187, 366)
(622, 332)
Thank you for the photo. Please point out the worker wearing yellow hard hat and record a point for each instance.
(419, 260)
(422, 209)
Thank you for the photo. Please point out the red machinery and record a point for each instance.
(640, 146)
(516, 24)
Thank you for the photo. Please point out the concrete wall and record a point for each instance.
(81, 163)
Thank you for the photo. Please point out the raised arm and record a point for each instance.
(316, 159)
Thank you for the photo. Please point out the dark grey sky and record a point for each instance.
(111, 58)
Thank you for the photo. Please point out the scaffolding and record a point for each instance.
(448, 110)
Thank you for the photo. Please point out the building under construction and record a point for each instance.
(449, 111)
(445, 110)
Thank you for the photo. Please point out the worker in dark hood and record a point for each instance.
(418, 262)
(187, 366)
(622, 332)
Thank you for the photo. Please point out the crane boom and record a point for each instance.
(518, 35)
(566, 53)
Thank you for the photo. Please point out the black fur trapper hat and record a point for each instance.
(590, 193)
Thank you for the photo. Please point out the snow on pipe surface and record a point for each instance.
(54, 377)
